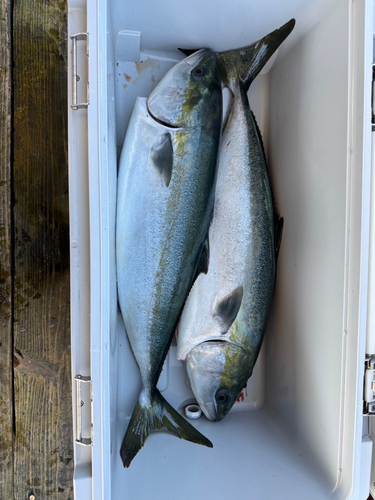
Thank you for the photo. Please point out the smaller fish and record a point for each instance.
(225, 316)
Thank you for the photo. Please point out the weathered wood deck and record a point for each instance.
(36, 447)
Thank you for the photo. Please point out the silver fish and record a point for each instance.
(225, 316)
(164, 207)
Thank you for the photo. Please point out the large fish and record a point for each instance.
(164, 207)
(225, 316)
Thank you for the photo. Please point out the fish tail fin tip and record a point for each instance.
(246, 63)
(157, 416)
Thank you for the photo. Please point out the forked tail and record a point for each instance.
(246, 63)
(156, 416)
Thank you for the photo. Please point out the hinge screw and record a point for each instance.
(82, 403)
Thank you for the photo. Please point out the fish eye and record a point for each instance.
(198, 71)
(221, 397)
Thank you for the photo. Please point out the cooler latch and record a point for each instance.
(369, 386)
(84, 410)
(76, 104)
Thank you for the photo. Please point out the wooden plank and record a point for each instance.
(43, 454)
(6, 348)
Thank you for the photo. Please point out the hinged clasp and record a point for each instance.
(84, 410)
(75, 38)
(369, 386)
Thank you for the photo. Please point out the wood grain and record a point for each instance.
(6, 356)
(43, 453)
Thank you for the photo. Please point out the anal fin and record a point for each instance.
(202, 266)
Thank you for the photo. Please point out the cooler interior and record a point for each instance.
(288, 437)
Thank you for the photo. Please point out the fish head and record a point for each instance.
(182, 96)
(218, 372)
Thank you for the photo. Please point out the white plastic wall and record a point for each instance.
(299, 433)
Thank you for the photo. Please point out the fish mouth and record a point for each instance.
(165, 124)
(209, 410)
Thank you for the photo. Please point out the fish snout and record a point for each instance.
(209, 410)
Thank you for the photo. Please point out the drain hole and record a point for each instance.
(193, 412)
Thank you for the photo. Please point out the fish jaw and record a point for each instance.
(176, 100)
(218, 371)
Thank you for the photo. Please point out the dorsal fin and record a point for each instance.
(260, 138)
(188, 52)
(279, 221)
(162, 157)
(227, 309)
(278, 235)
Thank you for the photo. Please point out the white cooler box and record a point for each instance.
(301, 429)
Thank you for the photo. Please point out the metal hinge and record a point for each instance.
(84, 410)
(369, 386)
(76, 77)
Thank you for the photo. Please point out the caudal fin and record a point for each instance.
(157, 416)
(246, 63)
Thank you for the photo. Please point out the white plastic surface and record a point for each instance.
(79, 247)
(370, 345)
(300, 431)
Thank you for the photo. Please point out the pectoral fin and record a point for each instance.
(227, 309)
(162, 157)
